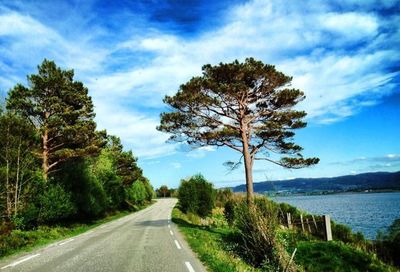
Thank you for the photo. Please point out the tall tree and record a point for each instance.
(248, 107)
(125, 161)
(17, 164)
(61, 110)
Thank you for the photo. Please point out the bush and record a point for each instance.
(256, 226)
(388, 247)
(229, 211)
(137, 193)
(87, 191)
(222, 197)
(55, 204)
(196, 195)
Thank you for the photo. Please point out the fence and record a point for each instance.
(315, 225)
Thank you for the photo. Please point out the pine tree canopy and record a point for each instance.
(61, 110)
(249, 107)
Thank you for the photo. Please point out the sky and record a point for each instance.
(344, 55)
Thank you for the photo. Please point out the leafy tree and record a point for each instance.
(163, 191)
(137, 193)
(126, 163)
(104, 169)
(17, 164)
(196, 195)
(55, 204)
(61, 111)
(87, 191)
(149, 189)
(245, 106)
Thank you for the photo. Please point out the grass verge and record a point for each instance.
(19, 241)
(336, 256)
(210, 244)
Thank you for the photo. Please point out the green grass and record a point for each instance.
(19, 241)
(336, 256)
(210, 244)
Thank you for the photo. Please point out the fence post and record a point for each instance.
(289, 221)
(328, 230)
(302, 222)
(315, 222)
(308, 225)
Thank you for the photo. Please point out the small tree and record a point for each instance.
(61, 111)
(163, 191)
(245, 106)
(196, 195)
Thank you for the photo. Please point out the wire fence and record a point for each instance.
(319, 226)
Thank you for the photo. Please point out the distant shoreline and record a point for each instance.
(369, 191)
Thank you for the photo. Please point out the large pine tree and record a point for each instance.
(61, 110)
(248, 107)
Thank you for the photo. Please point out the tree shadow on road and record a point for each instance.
(153, 223)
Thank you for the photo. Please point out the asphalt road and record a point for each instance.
(143, 241)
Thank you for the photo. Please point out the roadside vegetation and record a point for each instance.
(234, 236)
(58, 174)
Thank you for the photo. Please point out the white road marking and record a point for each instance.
(169, 226)
(189, 267)
(66, 242)
(103, 226)
(177, 244)
(20, 261)
(171, 232)
(89, 232)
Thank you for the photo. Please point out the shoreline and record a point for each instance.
(321, 193)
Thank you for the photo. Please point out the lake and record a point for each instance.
(364, 212)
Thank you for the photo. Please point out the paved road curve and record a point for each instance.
(143, 241)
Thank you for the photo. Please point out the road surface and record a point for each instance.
(143, 241)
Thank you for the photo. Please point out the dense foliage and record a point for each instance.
(164, 191)
(54, 166)
(388, 244)
(196, 195)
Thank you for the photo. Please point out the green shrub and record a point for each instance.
(149, 189)
(87, 191)
(196, 195)
(55, 204)
(388, 246)
(229, 211)
(137, 193)
(257, 226)
(222, 197)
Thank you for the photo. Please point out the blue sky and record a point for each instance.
(343, 54)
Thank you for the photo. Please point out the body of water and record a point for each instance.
(364, 212)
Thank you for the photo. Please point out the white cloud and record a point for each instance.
(201, 152)
(30, 41)
(337, 83)
(137, 131)
(352, 25)
(308, 43)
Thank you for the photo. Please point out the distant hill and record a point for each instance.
(360, 182)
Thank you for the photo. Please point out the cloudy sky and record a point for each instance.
(343, 54)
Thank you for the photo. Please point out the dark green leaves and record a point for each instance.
(61, 110)
(232, 98)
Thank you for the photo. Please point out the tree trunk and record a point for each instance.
(248, 167)
(8, 198)
(17, 178)
(45, 154)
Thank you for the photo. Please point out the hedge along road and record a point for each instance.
(143, 241)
